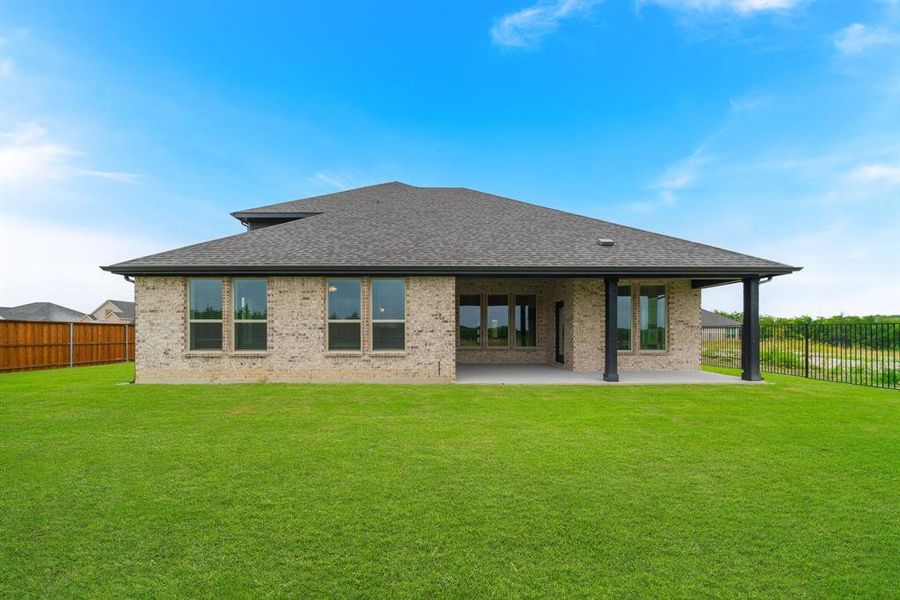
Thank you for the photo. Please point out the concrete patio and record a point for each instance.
(548, 374)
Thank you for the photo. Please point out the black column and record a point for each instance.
(750, 331)
(611, 365)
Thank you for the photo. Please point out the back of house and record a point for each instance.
(398, 283)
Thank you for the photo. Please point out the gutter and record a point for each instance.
(698, 272)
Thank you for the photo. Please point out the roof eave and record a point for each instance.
(694, 272)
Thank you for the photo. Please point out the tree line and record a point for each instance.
(872, 331)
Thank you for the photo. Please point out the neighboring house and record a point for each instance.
(717, 328)
(112, 311)
(40, 311)
(400, 283)
(711, 319)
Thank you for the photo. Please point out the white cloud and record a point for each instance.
(858, 38)
(329, 180)
(749, 103)
(682, 174)
(876, 173)
(743, 8)
(6, 67)
(63, 261)
(525, 28)
(28, 156)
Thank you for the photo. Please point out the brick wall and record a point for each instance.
(583, 299)
(296, 332)
(296, 336)
(682, 336)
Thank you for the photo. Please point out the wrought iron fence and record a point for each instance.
(858, 353)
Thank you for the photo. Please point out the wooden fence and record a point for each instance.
(30, 345)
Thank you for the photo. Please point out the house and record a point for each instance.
(711, 319)
(399, 283)
(40, 311)
(717, 328)
(111, 311)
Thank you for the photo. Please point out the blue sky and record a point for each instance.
(766, 126)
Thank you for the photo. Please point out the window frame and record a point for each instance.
(481, 309)
(631, 344)
(485, 344)
(189, 320)
(537, 319)
(373, 320)
(235, 321)
(329, 320)
(637, 325)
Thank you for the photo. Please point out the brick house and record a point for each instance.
(111, 311)
(399, 283)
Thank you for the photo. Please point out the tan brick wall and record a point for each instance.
(296, 336)
(584, 303)
(296, 332)
(683, 334)
(547, 293)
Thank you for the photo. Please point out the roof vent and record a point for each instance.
(605, 242)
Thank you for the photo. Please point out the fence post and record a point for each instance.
(71, 344)
(806, 349)
(125, 325)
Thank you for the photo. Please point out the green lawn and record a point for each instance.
(788, 489)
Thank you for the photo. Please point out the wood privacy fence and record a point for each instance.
(30, 345)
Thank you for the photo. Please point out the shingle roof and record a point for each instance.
(711, 319)
(399, 227)
(40, 311)
(126, 308)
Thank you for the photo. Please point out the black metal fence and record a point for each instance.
(859, 353)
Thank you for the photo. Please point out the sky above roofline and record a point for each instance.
(770, 127)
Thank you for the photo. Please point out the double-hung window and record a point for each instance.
(623, 317)
(653, 317)
(250, 314)
(388, 314)
(205, 314)
(344, 314)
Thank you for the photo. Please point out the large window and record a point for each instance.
(526, 320)
(250, 314)
(498, 320)
(388, 314)
(205, 314)
(344, 315)
(470, 320)
(623, 317)
(653, 317)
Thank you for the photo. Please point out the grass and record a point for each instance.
(790, 489)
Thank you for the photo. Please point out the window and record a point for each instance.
(623, 317)
(470, 320)
(344, 314)
(526, 320)
(388, 314)
(250, 314)
(653, 317)
(498, 320)
(205, 314)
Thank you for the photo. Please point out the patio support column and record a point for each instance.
(750, 331)
(611, 346)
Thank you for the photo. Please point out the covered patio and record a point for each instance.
(538, 374)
